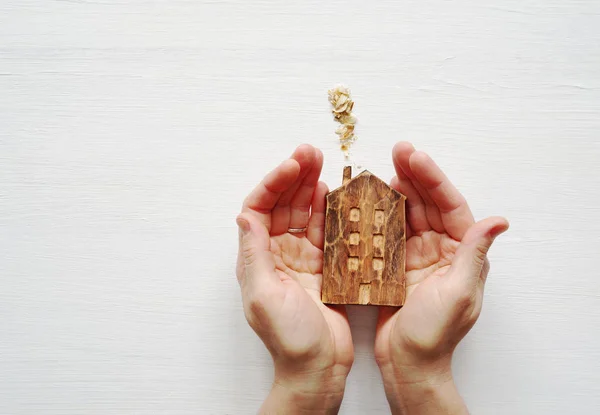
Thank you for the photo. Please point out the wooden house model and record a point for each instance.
(365, 243)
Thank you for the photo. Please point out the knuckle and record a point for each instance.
(249, 254)
(302, 215)
(303, 209)
(481, 251)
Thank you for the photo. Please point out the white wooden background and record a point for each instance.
(130, 131)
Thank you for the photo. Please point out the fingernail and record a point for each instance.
(243, 224)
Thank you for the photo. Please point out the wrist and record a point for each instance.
(423, 388)
(306, 392)
(430, 396)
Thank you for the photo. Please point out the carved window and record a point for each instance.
(379, 217)
(353, 263)
(378, 242)
(354, 214)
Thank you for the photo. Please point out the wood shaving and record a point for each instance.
(342, 104)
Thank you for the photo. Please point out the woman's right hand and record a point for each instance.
(446, 269)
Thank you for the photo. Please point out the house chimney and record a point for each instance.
(347, 174)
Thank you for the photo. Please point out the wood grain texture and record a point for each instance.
(365, 243)
(131, 131)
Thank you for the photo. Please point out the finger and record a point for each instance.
(415, 206)
(256, 265)
(300, 204)
(265, 196)
(316, 225)
(431, 210)
(455, 213)
(396, 185)
(405, 153)
(305, 156)
(471, 255)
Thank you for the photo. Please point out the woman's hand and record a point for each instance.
(280, 277)
(446, 269)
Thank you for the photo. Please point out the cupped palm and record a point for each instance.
(446, 264)
(281, 272)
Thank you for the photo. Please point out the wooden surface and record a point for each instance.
(365, 243)
(131, 131)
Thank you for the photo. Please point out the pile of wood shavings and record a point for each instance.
(341, 103)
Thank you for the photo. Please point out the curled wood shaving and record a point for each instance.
(342, 104)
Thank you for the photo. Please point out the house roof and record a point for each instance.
(367, 174)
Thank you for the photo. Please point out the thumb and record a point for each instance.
(255, 264)
(472, 252)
